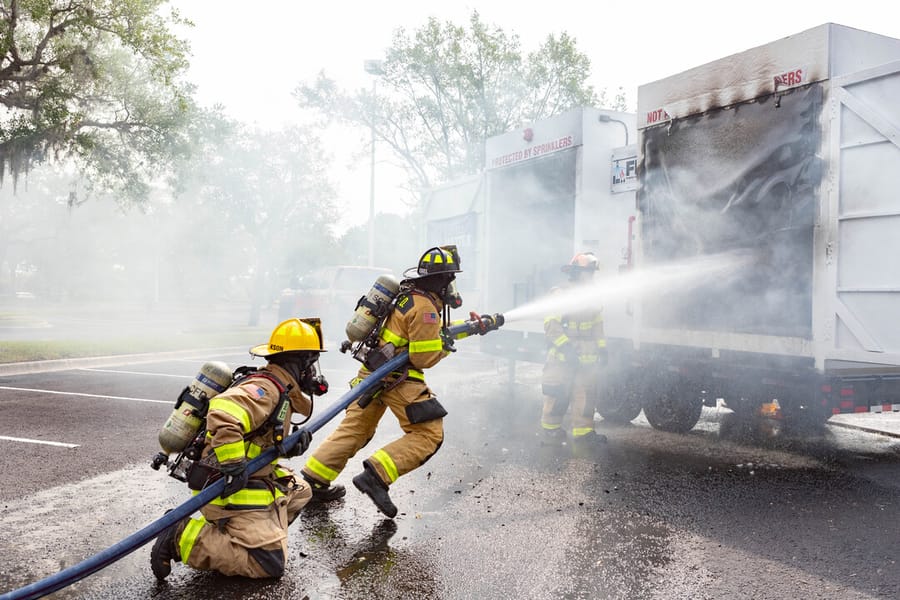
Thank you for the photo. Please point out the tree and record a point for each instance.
(266, 199)
(396, 242)
(446, 88)
(94, 81)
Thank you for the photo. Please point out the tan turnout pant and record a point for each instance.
(249, 543)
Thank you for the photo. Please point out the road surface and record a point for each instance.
(721, 512)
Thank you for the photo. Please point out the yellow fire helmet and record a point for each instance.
(292, 335)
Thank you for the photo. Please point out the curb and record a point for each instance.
(865, 429)
(63, 364)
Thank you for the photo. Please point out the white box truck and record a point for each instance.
(788, 153)
(548, 190)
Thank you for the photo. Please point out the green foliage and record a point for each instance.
(397, 244)
(445, 88)
(96, 81)
(264, 201)
(13, 351)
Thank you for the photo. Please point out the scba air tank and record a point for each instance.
(190, 409)
(372, 307)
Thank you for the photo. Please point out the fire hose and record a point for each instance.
(131, 543)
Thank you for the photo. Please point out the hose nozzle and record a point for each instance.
(481, 324)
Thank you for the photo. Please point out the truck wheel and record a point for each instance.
(675, 409)
(620, 403)
(743, 408)
(624, 412)
(800, 417)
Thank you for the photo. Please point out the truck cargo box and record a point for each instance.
(547, 192)
(788, 152)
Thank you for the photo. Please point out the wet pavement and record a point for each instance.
(725, 511)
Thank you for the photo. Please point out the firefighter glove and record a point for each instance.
(236, 476)
(488, 323)
(569, 352)
(447, 341)
(302, 445)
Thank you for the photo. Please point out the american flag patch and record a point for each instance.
(429, 317)
(255, 389)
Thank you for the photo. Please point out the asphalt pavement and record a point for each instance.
(884, 423)
(710, 514)
(34, 320)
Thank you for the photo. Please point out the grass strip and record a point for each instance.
(26, 351)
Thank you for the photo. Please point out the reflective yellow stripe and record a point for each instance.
(189, 537)
(325, 473)
(387, 462)
(552, 319)
(560, 340)
(253, 450)
(550, 426)
(426, 346)
(581, 431)
(461, 335)
(248, 497)
(585, 326)
(232, 408)
(411, 373)
(601, 343)
(231, 451)
(389, 336)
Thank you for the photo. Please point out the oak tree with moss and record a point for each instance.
(94, 83)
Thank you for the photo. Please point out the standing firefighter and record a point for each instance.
(244, 531)
(577, 353)
(414, 323)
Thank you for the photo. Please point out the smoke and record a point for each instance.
(742, 178)
(656, 281)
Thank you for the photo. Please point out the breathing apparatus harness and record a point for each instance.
(189, 465)
(367, 350)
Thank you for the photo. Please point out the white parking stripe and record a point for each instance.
(135, 373)
(27, 441)
(18, 389)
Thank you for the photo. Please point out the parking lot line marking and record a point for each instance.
(28, 441)
(135, 373)
(18, 389)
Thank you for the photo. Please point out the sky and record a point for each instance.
(251, 59)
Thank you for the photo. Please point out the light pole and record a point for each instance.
(372, 67)
(608, 119)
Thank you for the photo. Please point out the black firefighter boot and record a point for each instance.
(371, 485)
(323, 492)
(164, 551)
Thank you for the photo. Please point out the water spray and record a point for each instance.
(658, 280)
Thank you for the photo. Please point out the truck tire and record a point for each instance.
(743, 408)
(674, 408)
(620, 404)
(799, 417)
(623, 413)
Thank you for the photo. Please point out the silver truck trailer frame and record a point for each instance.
(788, 151)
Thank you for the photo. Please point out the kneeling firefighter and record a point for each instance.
(413, 321)
(577, 353)
(244, 531)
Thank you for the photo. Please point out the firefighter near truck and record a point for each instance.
(785, 155)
